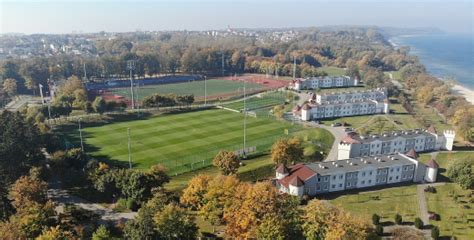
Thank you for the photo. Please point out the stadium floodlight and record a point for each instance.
(131, 67)
(129, 149)
(205, 91)
(80, 133)
(245, 119)
(294, 67)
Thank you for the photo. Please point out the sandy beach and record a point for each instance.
(464, 91)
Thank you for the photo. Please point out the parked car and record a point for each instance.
(348, 129)
(336, 124)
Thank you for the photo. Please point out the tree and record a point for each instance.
(218, 198)
(460, 171)
(142, 227)
(425, 94)
(398, 219)
(271, 228)
(99, 105)
(324, 221)
(10, 86)
(418, 223)
(174, 222)
(375, 219)
(193, 195)
(55, 233)
(27, 191)
(435, 232)
(379, 230)
(286, 151)
(102, 233)
(227, 161)
(20, 144)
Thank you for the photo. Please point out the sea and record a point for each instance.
(446, 56)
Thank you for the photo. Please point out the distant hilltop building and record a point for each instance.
(343, 104)
(324, 82)
(355, 173)
(419, 140)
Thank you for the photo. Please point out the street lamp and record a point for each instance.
(80, 134)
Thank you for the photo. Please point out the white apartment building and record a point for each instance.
(324, 82)
(341, 109)
(420, 140)
(377, 94)
(355, 173)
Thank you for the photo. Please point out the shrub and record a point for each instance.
(418, 223)
(375, 219)
(398, 219)
(435, 232)
(132, 204)
(379, 230)
(121, 205)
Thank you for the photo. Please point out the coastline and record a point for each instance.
(456, 89)
(467, 93)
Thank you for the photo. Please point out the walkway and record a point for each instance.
(420, 192)
(337, 132)
(63, 197)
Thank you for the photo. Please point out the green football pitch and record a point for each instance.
(197, 88)
(181, 142)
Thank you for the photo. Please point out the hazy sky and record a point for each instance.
(66, 16)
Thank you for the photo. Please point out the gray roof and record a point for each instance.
(336, 103)
(356, 164)
(392, 135)
(375, 90)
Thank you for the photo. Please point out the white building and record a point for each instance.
(324, 82)
(377, 94)
(355, 173)
(341, 109)
(420, 140)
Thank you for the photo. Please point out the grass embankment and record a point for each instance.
(332, 71)
(450, 201)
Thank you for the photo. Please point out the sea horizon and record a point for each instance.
(448, 56)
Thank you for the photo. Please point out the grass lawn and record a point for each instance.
(386, 203)
(214, 87)
(455, 219)
(457, 216)
(398, 119)
(262, 101)
(395, 74)
(182, 142)
(333, 71)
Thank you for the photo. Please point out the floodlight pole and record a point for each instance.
(245, 118)
(205, 91)
(131, 67)
(223, 63)
(129, 149)
(294, 67)
(80, 134)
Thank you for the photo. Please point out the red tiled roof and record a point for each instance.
(412, 153)
(349, 139)
(296, 108)
(282, 169)
(306, 107)
(432, 129)
(299, 170)
(432, 164)
(296, 181)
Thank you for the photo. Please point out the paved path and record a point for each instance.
(420, 192)
(337, 132)
(63, 197)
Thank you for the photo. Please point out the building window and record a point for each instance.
(398, 169)
(326, 179)
(340, 185)
(363, 174)
(384, 179)
(397, 177)
(390, 178)
(341, 176)
(348, 184)
(370, 173)
(318, 188)
(333, 186)
(333, 177)
(319, 179)
(370, 181)
(391, 170)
